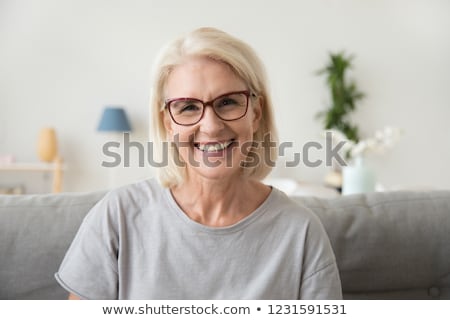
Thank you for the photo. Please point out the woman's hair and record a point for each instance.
(220, 46)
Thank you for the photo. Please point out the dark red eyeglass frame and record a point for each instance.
(168, 102)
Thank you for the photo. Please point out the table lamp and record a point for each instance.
(114, 119)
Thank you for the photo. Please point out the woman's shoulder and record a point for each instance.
(129, 199)
(285, 203)
(137, 192)
(292, 212)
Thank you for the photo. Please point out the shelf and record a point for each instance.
(56, 168)
(28, 167)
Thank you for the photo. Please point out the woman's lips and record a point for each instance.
(213, 146)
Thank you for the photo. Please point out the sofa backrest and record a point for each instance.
(35, 233)
(387, 245)
(393, 245)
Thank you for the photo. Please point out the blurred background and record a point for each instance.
(62, 62)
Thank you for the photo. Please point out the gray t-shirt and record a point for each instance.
(137, 243)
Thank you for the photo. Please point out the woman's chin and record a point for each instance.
(215, 168)
(214, 164)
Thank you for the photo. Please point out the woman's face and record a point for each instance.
(212, 148)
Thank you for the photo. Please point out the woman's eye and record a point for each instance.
(189, 107)
(227, 102)
(186, 108)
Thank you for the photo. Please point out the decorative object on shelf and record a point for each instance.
(12, 190)
(114, 119)
(47, 152)
(344, 95)
(358, 177)
(47, 145)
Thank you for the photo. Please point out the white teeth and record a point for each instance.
(214, 147)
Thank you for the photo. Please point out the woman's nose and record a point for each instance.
(210, 121)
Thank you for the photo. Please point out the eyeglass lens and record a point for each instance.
(227, 107)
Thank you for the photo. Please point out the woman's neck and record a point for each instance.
(220, 203)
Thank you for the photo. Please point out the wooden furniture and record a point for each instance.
(55, 167)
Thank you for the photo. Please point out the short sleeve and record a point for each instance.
(320, 276)
(89, 268)
(324, 284)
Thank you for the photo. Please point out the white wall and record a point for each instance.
(62, 61)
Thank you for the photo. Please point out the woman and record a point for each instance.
(208, 228)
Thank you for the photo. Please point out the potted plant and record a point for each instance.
(344, 95)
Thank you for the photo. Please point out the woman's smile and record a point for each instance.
(214, 148)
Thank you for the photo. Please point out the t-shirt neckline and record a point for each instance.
(241, 224)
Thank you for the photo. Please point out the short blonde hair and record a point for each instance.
(220, 46)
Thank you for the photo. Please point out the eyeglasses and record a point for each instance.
(189, 111)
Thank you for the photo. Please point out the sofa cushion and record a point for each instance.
(35, 232)
(389, 245)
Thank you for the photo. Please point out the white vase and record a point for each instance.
(357, 178)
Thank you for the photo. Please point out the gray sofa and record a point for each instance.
(388, 245)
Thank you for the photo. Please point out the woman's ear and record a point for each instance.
(167, 122)
(257, 112)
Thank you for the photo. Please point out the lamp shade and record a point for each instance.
(114, 119)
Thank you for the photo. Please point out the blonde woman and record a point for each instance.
(208, 228)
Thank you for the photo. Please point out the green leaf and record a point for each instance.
(344, 95)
